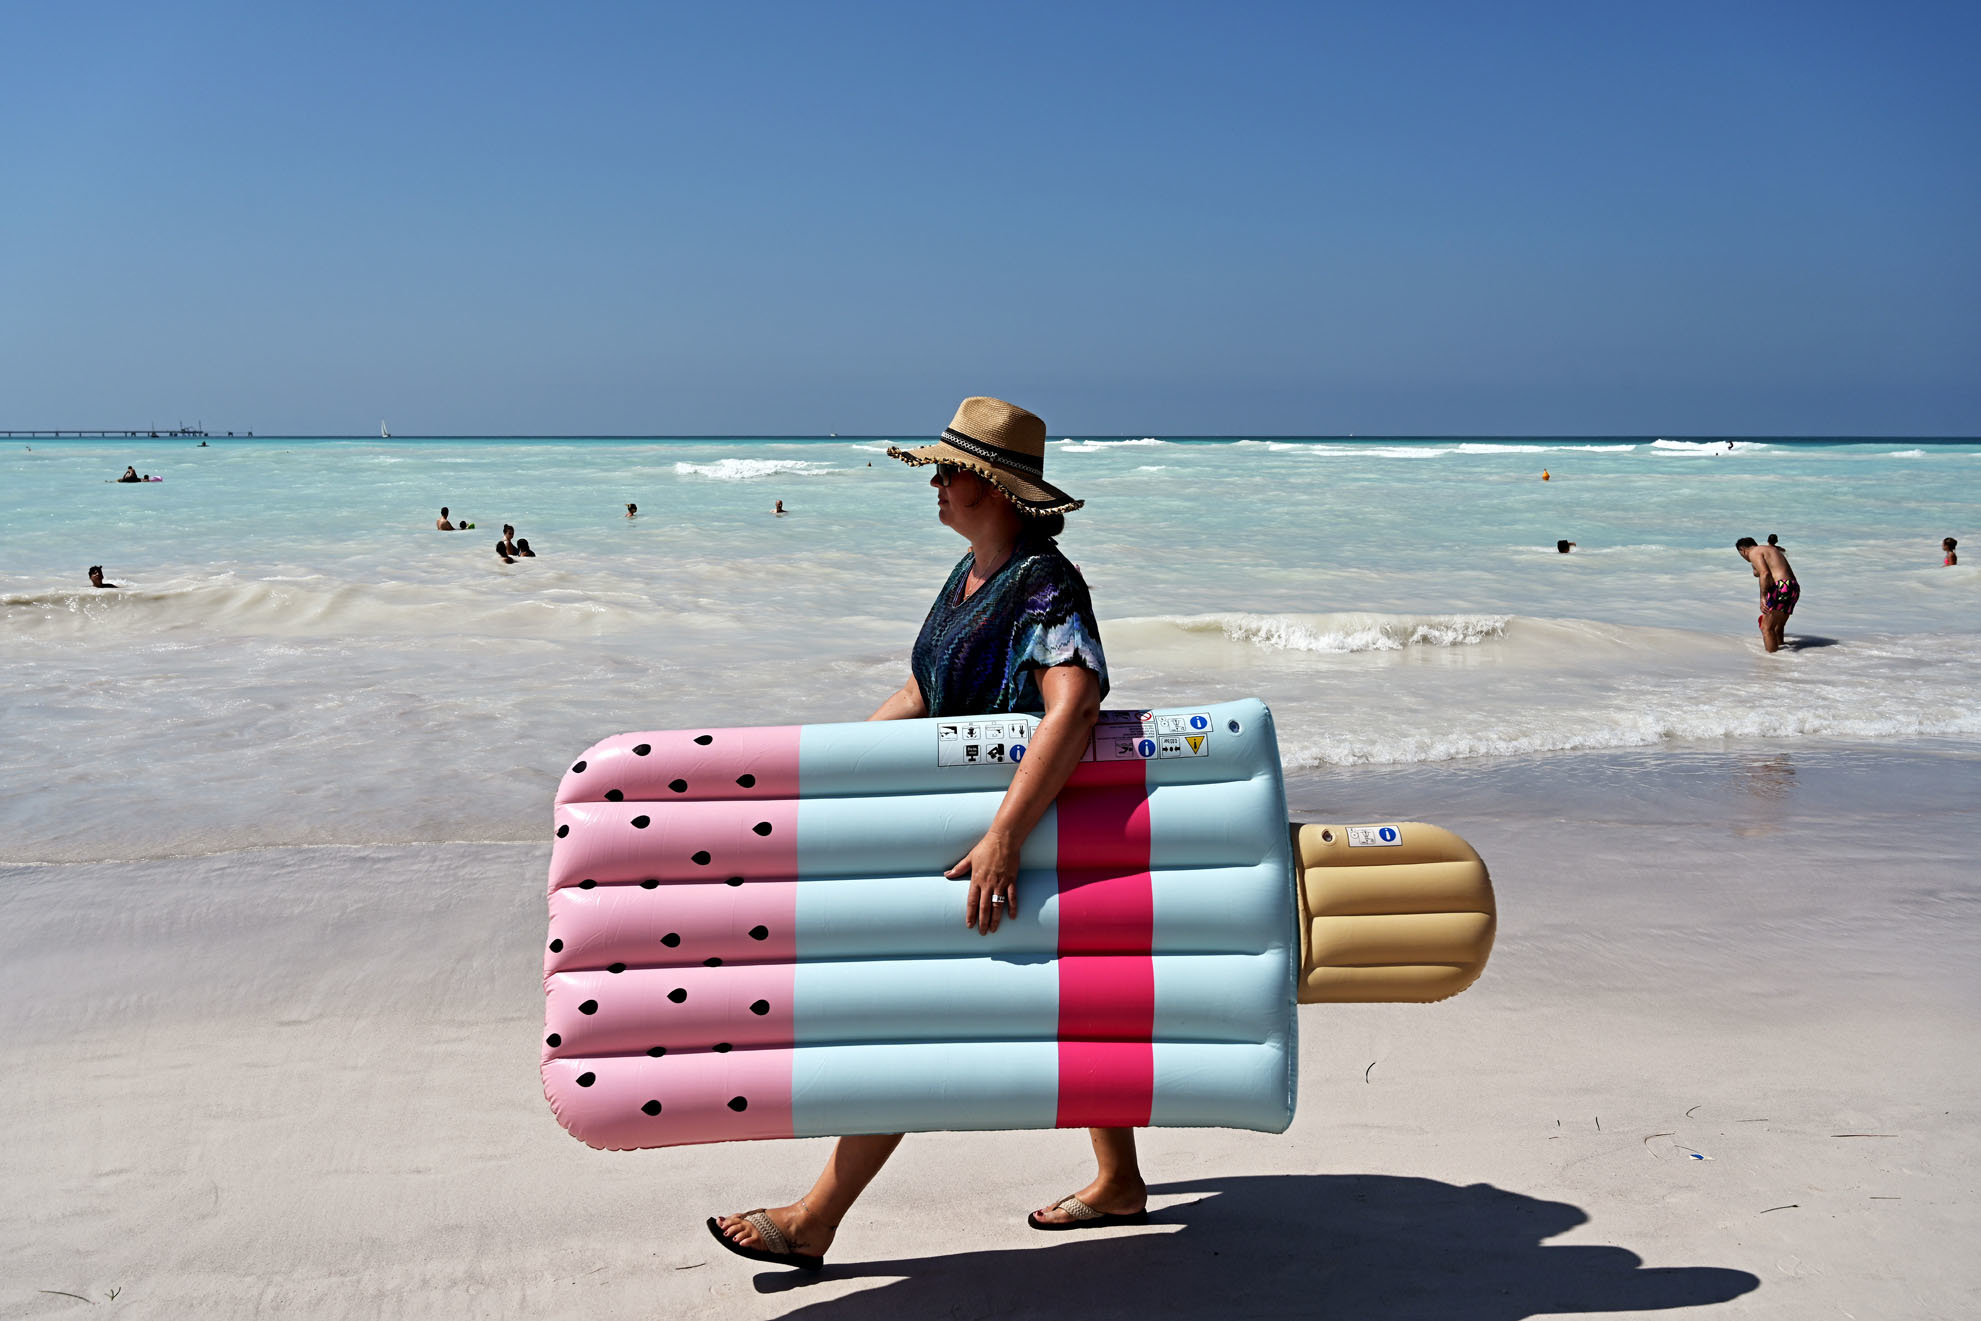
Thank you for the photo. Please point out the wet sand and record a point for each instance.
(1721, 1059)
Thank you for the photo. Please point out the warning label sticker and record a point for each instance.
(1362, 837)
(1118, 736)
(989, 741)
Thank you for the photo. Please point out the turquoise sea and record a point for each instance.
(296, 655)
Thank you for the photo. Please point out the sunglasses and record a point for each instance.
(945, 473)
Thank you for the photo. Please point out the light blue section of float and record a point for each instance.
(1242, 823)
(880, 758)
(1199, 910)
(996, 997)
(872, 1001)
(924, 1088)
(907, 836)
(1218, 1086)
(1252, 823)
(1192, 825)
(1218, 997)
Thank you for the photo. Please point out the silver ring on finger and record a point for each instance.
(997, 899)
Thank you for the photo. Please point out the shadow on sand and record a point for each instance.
(1371, 1247)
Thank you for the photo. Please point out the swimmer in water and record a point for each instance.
(442, 522)
(523, 550)
(1779, 589)
(509, 538)
(130, 475)
(96, 577)
(632, 510)
(779, 511)
(1947, 544)
(1563, 547)
(502, 552)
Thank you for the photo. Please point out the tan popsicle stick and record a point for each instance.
(1409, 921)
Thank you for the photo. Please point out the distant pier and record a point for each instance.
(146, 433)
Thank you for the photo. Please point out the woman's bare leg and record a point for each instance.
(1118, 1188)
(809, 1222)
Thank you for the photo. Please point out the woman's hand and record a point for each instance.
(992, 867)
(1073, 701)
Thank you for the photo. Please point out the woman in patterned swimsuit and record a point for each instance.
(1779, 589)
(1013, 630)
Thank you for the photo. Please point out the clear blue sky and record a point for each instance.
(1582, 217)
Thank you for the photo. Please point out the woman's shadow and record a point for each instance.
(1372, 1247)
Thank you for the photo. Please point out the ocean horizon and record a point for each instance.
(295, 655)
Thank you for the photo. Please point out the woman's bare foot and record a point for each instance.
(804, 1231)
(1118, 1197)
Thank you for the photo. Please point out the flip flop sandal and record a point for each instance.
(777, 1248)
(1085, 1217)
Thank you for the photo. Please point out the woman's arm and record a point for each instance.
(1073, 703)
(904, 703)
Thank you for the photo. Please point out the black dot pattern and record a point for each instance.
(672, 939)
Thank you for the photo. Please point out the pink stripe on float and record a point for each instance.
(1106, 928)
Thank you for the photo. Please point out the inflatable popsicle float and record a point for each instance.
(750, 934)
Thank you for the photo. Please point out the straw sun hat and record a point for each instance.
(1004, 445)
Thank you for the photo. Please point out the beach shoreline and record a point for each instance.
(303, 1081)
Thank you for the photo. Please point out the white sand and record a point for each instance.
(302, 1082)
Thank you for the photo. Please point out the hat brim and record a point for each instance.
(1032, 497)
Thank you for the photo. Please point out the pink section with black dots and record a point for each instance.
(669, 963)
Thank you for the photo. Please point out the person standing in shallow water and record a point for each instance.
(1779, 588)
(1947, 544)
(1012, 630)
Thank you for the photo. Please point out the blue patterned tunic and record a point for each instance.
(982, 656)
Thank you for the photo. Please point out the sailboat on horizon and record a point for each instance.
(383, 434)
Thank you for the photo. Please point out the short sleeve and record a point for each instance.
(1056, 625)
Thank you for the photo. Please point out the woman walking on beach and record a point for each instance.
(1013, 630)
(1779, 589)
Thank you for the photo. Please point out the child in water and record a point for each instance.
(1947, 544)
